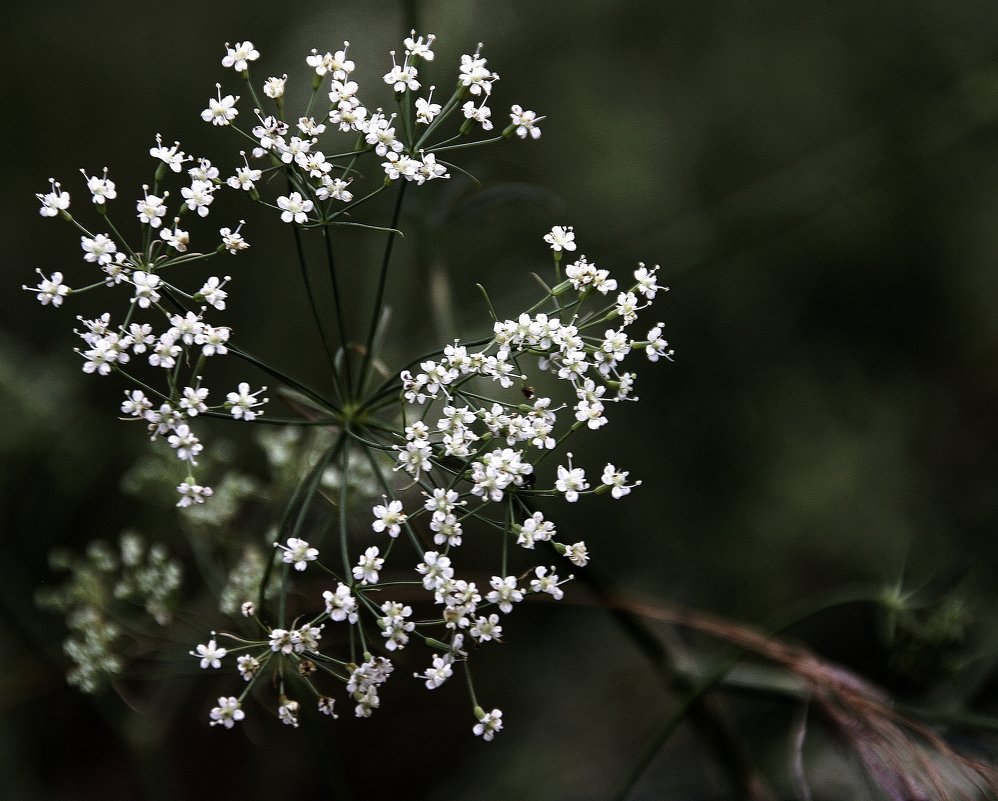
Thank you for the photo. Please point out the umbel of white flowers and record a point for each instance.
(465, 427)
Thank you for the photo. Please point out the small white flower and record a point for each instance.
(486, 628)
(426, 110)
(49, 290)
(561, 238)
(151, 208)
(340, 605)
(176, 238)
(274, 87)
(210, 654)
(389, 518)
(525, 123)
(238, 56)
(191, 494)
(547, 582)
(55, 201)
(294, 208)
(417, 48)
(247, 666)
(367, 567)
(488, 724)
(233, 241)
(221, 111)
(101, 189)
(577, 554)
(173, 157)
(213, 293)
(242, 403)
(227, 713)
(438, 674)
(571, 481)
(287, 713)
(145, 288)
(617, 479)
(298, 552)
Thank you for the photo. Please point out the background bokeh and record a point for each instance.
(820, 185)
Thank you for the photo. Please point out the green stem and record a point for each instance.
(339, 308)
(316, 314)
(380, 294)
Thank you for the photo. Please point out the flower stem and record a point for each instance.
(380, 294)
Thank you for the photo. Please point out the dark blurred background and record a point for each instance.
(820, 185)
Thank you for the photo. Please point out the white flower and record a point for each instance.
(281, 642)
(647, 280)
(402, 77)
(417, 48)
(426, 110)
(198, 196)
(525, 123)
(55, 201)
(177, 239)
(191, 494)
(571, 481)
(213, 293)
(504, 593)
(245, 177)
(389, 518)
(145, 288)
(227, 713)
(287, 713)
(210, 654)
(340, 605)
(274, 87)
(486, 628)
(238, 56)
(101, 189)
(247, 666)
(488, 724)
(221, 111)
(617, 479)
(151, 208)
(297, 552)
(294, 208)
(547, 582)
(438, 674)
(49, 290)
(242, 403)
(561, 238)
(658, 346)
(233, 241)
(535, 528)
(435, 570)
(335, 63)
(172, 157)
(577, 554)
(478, 113)
(367, 567)
(474, 74)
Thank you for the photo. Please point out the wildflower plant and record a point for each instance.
(467, 442)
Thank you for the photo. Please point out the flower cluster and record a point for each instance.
(106, 586)
(164, 333)
(467, 437)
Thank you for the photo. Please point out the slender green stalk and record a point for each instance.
(344, 472)
(285, 378)
(330, 356)
(380, 294)
(340, 323)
